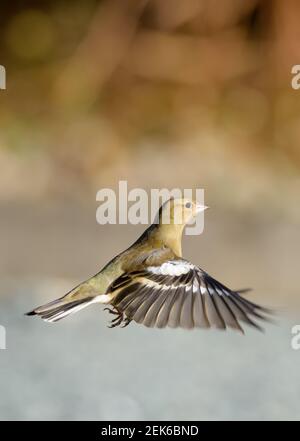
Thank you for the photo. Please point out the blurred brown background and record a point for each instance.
(162, 93)
(199, 92)
(103, 90)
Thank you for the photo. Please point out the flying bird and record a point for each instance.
(152, 284)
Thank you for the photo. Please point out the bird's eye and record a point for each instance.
(188, 205)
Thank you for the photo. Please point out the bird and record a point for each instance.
(150, 283)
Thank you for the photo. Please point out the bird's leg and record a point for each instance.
(112, 310)
(119, 319)
(116, 321)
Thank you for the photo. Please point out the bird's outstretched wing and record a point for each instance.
(177, 293)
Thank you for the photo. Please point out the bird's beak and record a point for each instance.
(200, 208)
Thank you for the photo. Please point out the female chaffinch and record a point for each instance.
(150, 283)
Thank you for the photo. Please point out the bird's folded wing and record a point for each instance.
(179, 294)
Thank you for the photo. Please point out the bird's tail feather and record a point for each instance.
(60, 308)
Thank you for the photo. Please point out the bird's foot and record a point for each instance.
(119, 320)
(113, 311)
(116, 322)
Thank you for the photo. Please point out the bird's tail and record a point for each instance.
(60, 308)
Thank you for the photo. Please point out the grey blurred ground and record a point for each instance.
(80, 369)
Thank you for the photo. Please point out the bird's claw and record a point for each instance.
(112, 311)
(116, 322)
(119, 320)
(120, 317)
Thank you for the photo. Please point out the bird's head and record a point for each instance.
(179, 211)
(173, 216)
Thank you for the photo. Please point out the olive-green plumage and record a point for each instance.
(152, 284)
